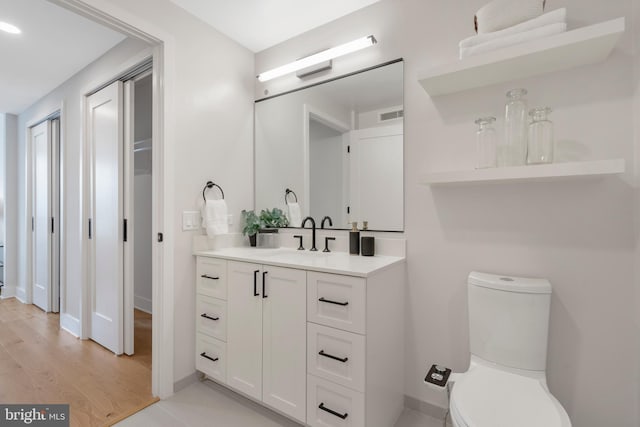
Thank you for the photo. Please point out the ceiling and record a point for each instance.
(54, 45)
(260, 24)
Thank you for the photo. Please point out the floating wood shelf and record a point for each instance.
(549, 172)
(583, 46)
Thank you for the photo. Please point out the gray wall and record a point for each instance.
(578, 234)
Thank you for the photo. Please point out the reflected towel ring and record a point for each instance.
(210, 184)
(286, 193)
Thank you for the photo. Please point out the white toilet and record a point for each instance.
(506, 384)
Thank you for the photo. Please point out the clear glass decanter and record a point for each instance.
(514, 150)
(486, 143)
(540, 146)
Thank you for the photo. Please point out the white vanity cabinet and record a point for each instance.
(323, 345)
(266, 346)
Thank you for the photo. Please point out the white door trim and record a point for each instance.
(163, 53)
(309, 112)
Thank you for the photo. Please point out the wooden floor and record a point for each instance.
(40, 363)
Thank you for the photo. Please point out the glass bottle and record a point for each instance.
(540, 146)
(515, 126)
(485, 143)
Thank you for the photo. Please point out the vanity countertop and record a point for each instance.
(332, 262)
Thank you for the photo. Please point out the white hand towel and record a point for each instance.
(538, 33)
(501, 14)
(214, 217)
(295, 214)
(557, 16)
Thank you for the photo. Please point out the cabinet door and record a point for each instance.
(284, 340)
(244, 328)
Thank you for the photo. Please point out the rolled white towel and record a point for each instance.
(557, 16)
(538, 33)
(214, 217)
(295, 214)
(500, 14)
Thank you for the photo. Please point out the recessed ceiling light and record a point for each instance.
(8, 28)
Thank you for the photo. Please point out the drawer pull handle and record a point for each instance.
(206, 316)
(264, 284)
(330, 356)
(322, 299)
(332, 412)
(255, 283)
(206, 276)
(213, 359)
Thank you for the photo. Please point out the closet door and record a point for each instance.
(41, 206)
(105, 140)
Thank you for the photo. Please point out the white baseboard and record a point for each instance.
(8, 291)
(143, 304)
(427, 408)
(21, 294)
(185, 382)
(70, 324)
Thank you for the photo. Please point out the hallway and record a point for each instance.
(40, 363)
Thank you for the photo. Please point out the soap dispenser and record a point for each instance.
(354, 239)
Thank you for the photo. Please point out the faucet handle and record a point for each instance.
(326, 243)
(300, 247)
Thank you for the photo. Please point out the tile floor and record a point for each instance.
(207, 404)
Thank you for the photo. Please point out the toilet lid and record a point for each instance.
(485, 397)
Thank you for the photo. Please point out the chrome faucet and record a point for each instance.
(325, 219)
(313, 235)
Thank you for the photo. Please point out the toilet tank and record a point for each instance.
(509, 320)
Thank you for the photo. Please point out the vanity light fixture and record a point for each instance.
(9, 28)
(325, 55)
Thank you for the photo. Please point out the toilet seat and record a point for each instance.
(490, 397)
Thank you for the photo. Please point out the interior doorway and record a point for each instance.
(119, 121)
(45, 221)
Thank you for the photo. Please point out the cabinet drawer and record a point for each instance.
(211, 357)
(336, 301)
(211, 317)
(331, 405)
(211, 277)
(336, 355)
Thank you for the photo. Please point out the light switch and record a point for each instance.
(190, 220)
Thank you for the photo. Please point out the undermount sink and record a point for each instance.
(296, 255)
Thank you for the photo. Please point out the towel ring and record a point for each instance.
(286, 193)
(210, 184)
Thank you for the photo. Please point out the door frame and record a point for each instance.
(310, 112)
(162, 52)
(61, 257)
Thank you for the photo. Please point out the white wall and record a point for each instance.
(577, 234)
(69, 95)
(3, 179)
(11, 205)
(214, 140)
(636, 119)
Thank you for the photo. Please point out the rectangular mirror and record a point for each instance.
(335, 148)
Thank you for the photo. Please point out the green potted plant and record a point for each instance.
(251, 225)
(274, 218)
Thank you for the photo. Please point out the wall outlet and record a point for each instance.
(190, 220)
(438, 375)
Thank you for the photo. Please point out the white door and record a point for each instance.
(105, 134)
(377, 180)
(284, 337)
(40, 222)
(244, 328)
(128, 208)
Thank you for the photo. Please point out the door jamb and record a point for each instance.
(163, 54)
